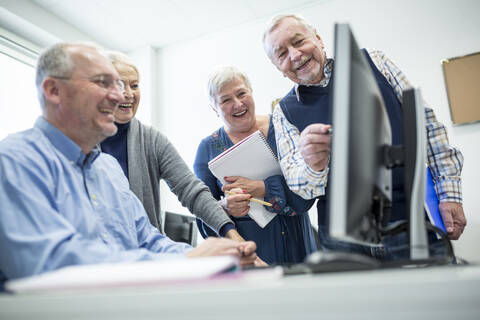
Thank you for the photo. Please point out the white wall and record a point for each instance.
(416, 34)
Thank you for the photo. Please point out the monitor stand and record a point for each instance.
(337, 261)
(415, 159)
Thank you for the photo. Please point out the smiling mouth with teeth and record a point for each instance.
(303, 64)
(125, 106)
(239, 114)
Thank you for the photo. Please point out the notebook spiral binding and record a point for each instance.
(266, 144)
(220, 158)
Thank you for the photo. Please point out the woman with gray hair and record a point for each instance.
(288, 238)
(147, 156)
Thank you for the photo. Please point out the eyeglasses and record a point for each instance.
(104, 81)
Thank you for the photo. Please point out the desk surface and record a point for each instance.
(429, 293)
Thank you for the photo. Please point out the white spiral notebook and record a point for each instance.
(251, 158)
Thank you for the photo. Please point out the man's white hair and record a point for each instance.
(272, 24)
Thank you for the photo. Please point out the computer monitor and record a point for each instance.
(358, 179)
(360, 193)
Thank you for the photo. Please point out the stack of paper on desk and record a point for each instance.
(166, 271)
(251, 158)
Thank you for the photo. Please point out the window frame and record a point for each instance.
(18, 48)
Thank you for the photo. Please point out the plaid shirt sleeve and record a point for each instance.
(444, 161)
(300, 178)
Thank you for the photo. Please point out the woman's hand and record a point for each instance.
(255, 188)
(238, 203)
(259, 262)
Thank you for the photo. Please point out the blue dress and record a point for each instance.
(288, 238)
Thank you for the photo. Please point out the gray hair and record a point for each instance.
(222, 76)
(277, 20)
(117, 57)
(56, 61)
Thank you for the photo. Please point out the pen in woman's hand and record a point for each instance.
(268, 204)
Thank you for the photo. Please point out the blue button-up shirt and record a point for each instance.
(60, 207)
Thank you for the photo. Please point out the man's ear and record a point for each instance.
(320, 40)
(51, 90)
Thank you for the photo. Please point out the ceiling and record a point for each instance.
(129, 24)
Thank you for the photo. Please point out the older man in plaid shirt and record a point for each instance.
(297, 50)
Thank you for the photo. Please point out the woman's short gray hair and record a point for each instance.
(222, 76)
(117, 57)
(272, 24)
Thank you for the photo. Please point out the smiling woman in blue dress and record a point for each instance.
(288, 238)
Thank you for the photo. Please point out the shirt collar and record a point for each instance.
(327, 71)
(65, 145)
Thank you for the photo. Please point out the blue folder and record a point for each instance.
(431, 203)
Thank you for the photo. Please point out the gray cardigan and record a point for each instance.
(152, 157)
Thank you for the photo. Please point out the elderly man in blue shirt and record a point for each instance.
(62, 201)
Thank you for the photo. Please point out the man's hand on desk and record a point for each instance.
(453, 218)
(245, 250)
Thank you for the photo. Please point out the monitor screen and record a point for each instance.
(360, 196)
(360, 184)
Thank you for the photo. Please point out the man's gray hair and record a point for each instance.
(272, 24)
(117, 57)
(56, 61)
(222, 76)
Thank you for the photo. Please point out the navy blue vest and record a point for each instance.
(315, 107)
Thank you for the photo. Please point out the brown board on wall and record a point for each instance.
(462, 79)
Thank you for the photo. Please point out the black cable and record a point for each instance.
(400, 226)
